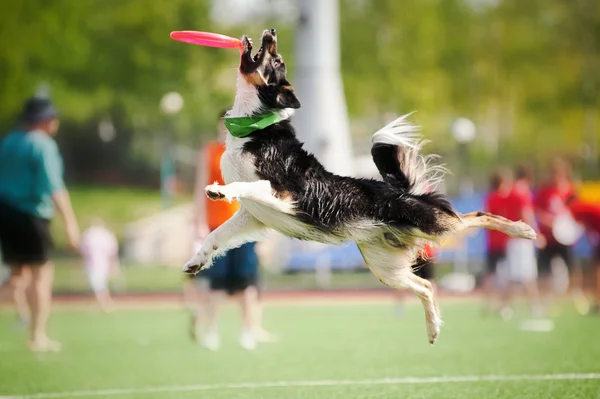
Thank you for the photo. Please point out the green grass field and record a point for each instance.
(70, 279)
(325, 351)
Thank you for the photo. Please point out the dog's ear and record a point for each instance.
(286, 98)
(278, 96)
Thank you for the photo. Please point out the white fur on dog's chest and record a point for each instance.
(237, 166)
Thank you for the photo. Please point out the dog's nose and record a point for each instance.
(273, 32)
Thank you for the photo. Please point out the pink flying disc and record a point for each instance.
(206, 39)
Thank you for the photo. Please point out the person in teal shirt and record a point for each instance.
(32, 190)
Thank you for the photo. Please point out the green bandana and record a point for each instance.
(245, 125)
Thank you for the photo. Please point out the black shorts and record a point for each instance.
(233, 284)
(492, 261)
(552, 251)
(235, 270)
(24, 239)
(425, 270)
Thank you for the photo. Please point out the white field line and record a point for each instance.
(300, 384)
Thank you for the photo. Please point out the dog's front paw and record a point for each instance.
(196, 263)
(217, 192)
(246, 44)
(522, 230)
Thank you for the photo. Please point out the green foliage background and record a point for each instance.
(527, 72)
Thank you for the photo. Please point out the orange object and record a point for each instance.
(217, 212)
(428, 252)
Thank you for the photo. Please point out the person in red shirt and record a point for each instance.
(496, 203)
(520, 254)
(549, 203)
(588, 214)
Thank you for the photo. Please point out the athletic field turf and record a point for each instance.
(325, 351)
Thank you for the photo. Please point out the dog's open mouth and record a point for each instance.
(268, 44)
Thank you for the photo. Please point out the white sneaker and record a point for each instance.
(247, 340)
(211, 340)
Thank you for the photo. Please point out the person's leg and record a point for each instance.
(596, 266)
(105, 301)
(40, 298)
(249, 304)
(522, 267)
(98, 279)
(242, 281)
(260, 333)
(582, 305)
(247, 295)
(15, 288)
(20, 296)
(217, 277)
(211, 339)
(247, 273)
(190, 299)
(545, 282)
(490, 284)
(196, 297)
(529, 279)
(191, 304)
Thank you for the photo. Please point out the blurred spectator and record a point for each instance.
(520, 253)
(236, 272)
(100, 251)
(550, 202)
(588, 214)
(496, 203)
(31, 188)
(196, 289)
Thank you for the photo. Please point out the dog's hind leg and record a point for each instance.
(393, 268)
(241, 228)
(258, 191)
(424, 290)
(494, 222)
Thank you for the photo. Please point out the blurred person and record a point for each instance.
(424, 268)
(521, 259)
(196, 288)
(496, 203)
(235, 273)
(550, 202)
(31, 191)
(588, 214)
(100, 251)
(19, 296)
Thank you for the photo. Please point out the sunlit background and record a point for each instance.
(494, 82)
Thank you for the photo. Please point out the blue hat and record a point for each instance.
(38, 109)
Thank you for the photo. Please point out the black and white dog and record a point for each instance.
(281, 186)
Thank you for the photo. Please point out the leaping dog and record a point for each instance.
(281, 186)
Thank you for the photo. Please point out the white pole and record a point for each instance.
(322, 122)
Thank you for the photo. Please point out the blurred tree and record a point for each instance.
(525, 71)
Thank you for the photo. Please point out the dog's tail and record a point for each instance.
(396, 153)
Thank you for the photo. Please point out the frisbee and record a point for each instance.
(206, 39)
(566, 230)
